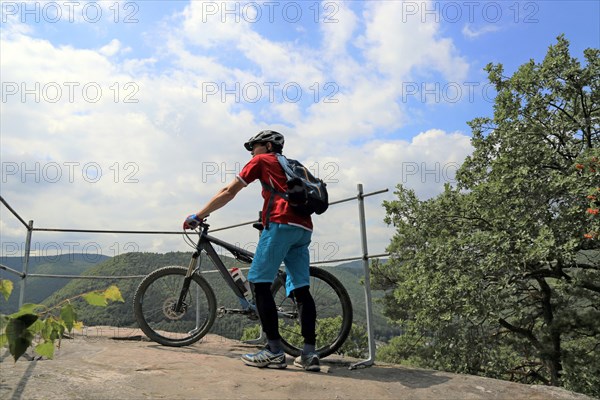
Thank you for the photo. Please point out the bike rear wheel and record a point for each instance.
(154, 304)
(334, 314)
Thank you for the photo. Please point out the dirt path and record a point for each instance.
(98, 367)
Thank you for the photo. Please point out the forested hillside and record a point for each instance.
(38, 289)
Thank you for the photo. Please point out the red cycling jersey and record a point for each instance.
(266, 168)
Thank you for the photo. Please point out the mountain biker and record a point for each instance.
(286, 237)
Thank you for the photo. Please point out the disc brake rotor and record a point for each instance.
(169, 309)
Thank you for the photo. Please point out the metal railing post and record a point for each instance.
(363, 234)
(26, 263)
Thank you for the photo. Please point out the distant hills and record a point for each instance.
(38, 289)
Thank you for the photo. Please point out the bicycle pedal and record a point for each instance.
(221, 311)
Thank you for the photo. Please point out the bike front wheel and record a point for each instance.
(155, 302)
(334, 314)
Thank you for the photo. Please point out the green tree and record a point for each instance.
(499, 275)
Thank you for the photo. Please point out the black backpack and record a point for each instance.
(305, 193)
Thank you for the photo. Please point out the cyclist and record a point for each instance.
(286, 237)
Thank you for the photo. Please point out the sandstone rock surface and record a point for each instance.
(95, 365)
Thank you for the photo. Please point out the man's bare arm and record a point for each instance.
(223, 197)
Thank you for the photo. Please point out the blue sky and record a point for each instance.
(131, 114)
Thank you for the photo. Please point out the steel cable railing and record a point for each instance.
(364, 257)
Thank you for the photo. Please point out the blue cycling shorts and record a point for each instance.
(282, 243)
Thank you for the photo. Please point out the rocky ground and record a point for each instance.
(94, 365)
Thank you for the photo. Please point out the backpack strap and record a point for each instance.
(274, 193)
(283, 161)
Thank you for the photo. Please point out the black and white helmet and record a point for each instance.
(264, 137)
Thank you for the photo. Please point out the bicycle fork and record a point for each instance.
(186, 283)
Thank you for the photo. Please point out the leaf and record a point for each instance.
(37, 326)
(6, 288)
(26, 309)
(3, 340)
(95, 299)
(45, 349)
(25, 320)
(52, 329)
(78, 325)
(57, 330)
(19, 337)
(68, 315)
(113, 294)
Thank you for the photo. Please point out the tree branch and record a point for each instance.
(523, 332)
(590, 286)
(588, 132)
(585, 266)
(569, 116)
(546, 273)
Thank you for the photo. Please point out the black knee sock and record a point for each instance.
(267, 311)
(308, 315)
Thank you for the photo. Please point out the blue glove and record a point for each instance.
(191, 222)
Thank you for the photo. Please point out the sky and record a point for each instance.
(131, 115)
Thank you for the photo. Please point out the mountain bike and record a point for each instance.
(176, 306)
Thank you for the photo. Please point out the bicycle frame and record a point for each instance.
(205, 243)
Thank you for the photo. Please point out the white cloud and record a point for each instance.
(338, 33)
(112, 48)
(424, 163)
(171, 149)
(472, 33)
(282, 62)
(204, 25)
(399, 49)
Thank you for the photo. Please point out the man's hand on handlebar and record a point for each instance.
(192, 222)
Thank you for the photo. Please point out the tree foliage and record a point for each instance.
(499, 274)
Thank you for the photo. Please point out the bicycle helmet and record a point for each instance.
(264, 137)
